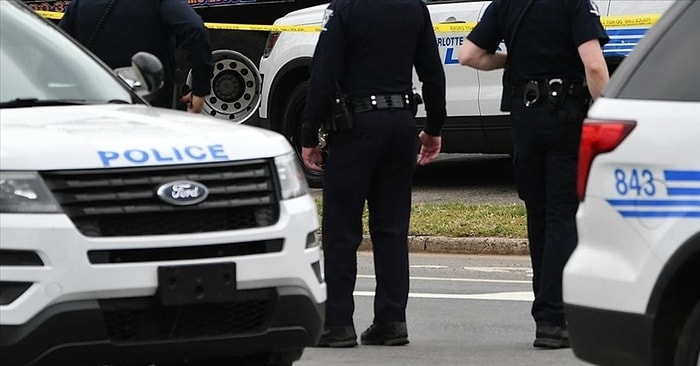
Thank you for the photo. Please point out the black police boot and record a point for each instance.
(338, 337)
(551, 336)
(387, 334)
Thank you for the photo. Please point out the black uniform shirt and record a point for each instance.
(371, 46)
(548, 36)
(155, 26)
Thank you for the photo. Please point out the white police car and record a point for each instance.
(474, 121)
(632, 286)
(132, 234)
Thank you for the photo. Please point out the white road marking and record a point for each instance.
(500, 296)
(499, 269)
(456, 279)
(428, 266)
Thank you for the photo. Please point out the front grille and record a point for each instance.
(145, 319)
(123, 201)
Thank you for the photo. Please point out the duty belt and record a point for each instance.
(381, 101)
(535, 90)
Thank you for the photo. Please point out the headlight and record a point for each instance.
(292, 180)
(25, 192)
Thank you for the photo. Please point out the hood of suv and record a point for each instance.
(310, 15)
(105, 136)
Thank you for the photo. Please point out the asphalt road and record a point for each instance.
(462, 310)
(471, 178)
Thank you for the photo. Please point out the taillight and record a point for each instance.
(271, 40)
(598, 137)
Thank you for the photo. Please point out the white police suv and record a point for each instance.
(136, 235)
(632, 286)
(474, 122)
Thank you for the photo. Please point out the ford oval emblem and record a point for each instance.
(182, 192)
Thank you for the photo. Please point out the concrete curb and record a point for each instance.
(448, 245)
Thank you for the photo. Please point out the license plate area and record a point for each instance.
(197, 284)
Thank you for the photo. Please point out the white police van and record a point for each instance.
(632, 286)
(136, 235)
(474, 122)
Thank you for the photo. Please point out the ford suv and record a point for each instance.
(632, 286)
(136, 235)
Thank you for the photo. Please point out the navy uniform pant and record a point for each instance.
(373, 163)
(546, 159)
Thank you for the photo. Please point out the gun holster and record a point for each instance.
(507, 92)
(417, 100)
(341, 118)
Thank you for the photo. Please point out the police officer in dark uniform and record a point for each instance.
(555, 66)
(115, 30)
(367, 49)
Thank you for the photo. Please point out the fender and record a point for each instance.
(278, 84)
(689, 251)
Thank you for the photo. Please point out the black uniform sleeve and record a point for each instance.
(432, 75)
(327, 68)
(585, 23)
(191, 35)
(487, 33)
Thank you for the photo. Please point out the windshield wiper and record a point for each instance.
(35, 102)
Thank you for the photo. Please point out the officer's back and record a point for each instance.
(130, 26)
(380, 43)
(115, 30)
(546, 45)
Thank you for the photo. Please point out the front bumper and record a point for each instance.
(605, 337)
(115, 331)
(67, 270)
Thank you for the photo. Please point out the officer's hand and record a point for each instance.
(429, 149)
(312, 157)
(195, 103)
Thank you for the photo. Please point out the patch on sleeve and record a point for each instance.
(326, 17)
(593, 8)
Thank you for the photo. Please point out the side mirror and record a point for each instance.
(145, 76)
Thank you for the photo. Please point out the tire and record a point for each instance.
(251, 45)
(292, 119)
(236, 83)
(688, 347)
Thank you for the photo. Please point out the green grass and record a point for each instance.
(457, 219)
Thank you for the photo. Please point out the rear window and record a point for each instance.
(670, 70)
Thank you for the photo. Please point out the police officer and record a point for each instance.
(367, 50)
(115, 30)
(555, 66)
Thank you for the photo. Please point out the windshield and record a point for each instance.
(40, 64)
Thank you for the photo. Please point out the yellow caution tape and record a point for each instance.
(628, 21)
(266, 28)
(454, 27)
(50, 14)
(608, 22)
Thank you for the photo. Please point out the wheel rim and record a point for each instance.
(235, 87)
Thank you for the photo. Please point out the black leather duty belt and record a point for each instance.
(381, 101)
(535, 90)
(544, 87)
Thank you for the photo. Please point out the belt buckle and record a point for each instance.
(531, 93)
